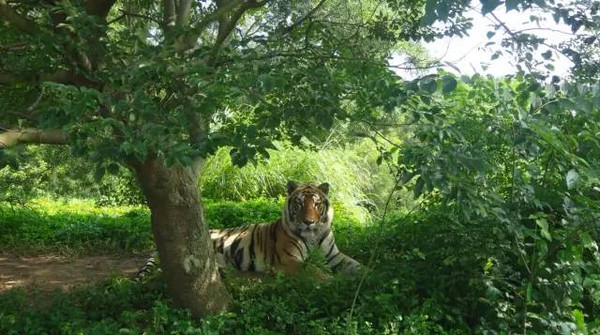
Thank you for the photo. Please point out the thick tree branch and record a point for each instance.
(183, 13)
(27, 114)
(222, 15)
(220, 12)
(61, 77)
(226, 25)
(14, 47)
(169, 14)
(15, 19)
(99, 8)
(32, 136)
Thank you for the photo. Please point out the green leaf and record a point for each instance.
(572, 178)
(99, 173)
(448, 84)
(543, 224)
(488, 6)
(588, 242)
(428, 85)
(113, 169)
(430, 13)
(547, 54)
(419, 187)
(579, 321)
(442, 10)
(529, 293)
(512, 4)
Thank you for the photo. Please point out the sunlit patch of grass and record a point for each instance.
(78, 207)
(73, 227)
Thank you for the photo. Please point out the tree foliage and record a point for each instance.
(510, 166)
(161, 86)
(514, 165)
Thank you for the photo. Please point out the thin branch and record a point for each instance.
(14, 47)
(117, 19)
(126, 13)
(37, 101)
(514, 36)
(544, 29)
(226, 26)
(510, 32)
(61, 77)
(288, 29)
(187, 41)
(387, 139)
(27, 114)
(22, 115)
(197, 29)
(388, 124)
(183, 13)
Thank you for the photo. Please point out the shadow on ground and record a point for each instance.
(48, 272)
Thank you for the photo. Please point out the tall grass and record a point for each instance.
(355, 178)
(351, 169)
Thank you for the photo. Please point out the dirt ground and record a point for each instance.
(48, 272)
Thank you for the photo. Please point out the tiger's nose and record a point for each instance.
(308, 222)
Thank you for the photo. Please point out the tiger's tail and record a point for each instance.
(152, 265)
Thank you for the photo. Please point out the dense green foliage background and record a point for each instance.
(474, 202)
(500, 233)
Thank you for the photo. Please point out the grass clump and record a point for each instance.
(74, 227)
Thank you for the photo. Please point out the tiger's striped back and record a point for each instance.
(282, 245)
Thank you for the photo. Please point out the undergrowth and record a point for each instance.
(386, 304)
(78, 227)
(425, 276)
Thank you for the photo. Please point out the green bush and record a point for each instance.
(30, 172)
(510, 169)
(427, 275)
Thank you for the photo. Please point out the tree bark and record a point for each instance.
(182, 237)
(12, 137)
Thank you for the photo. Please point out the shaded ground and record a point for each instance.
(48, 272)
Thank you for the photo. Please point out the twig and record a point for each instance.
(14, 47)
(37, 101)
(126, 13)
(298, 22)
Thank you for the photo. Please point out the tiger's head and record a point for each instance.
(307, 209)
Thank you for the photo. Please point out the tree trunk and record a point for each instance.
(182, 237)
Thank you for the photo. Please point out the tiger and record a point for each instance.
(282, 245)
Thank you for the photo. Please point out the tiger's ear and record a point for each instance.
(291, 187)
(324, 187)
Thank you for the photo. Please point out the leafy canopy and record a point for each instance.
(138, 78)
